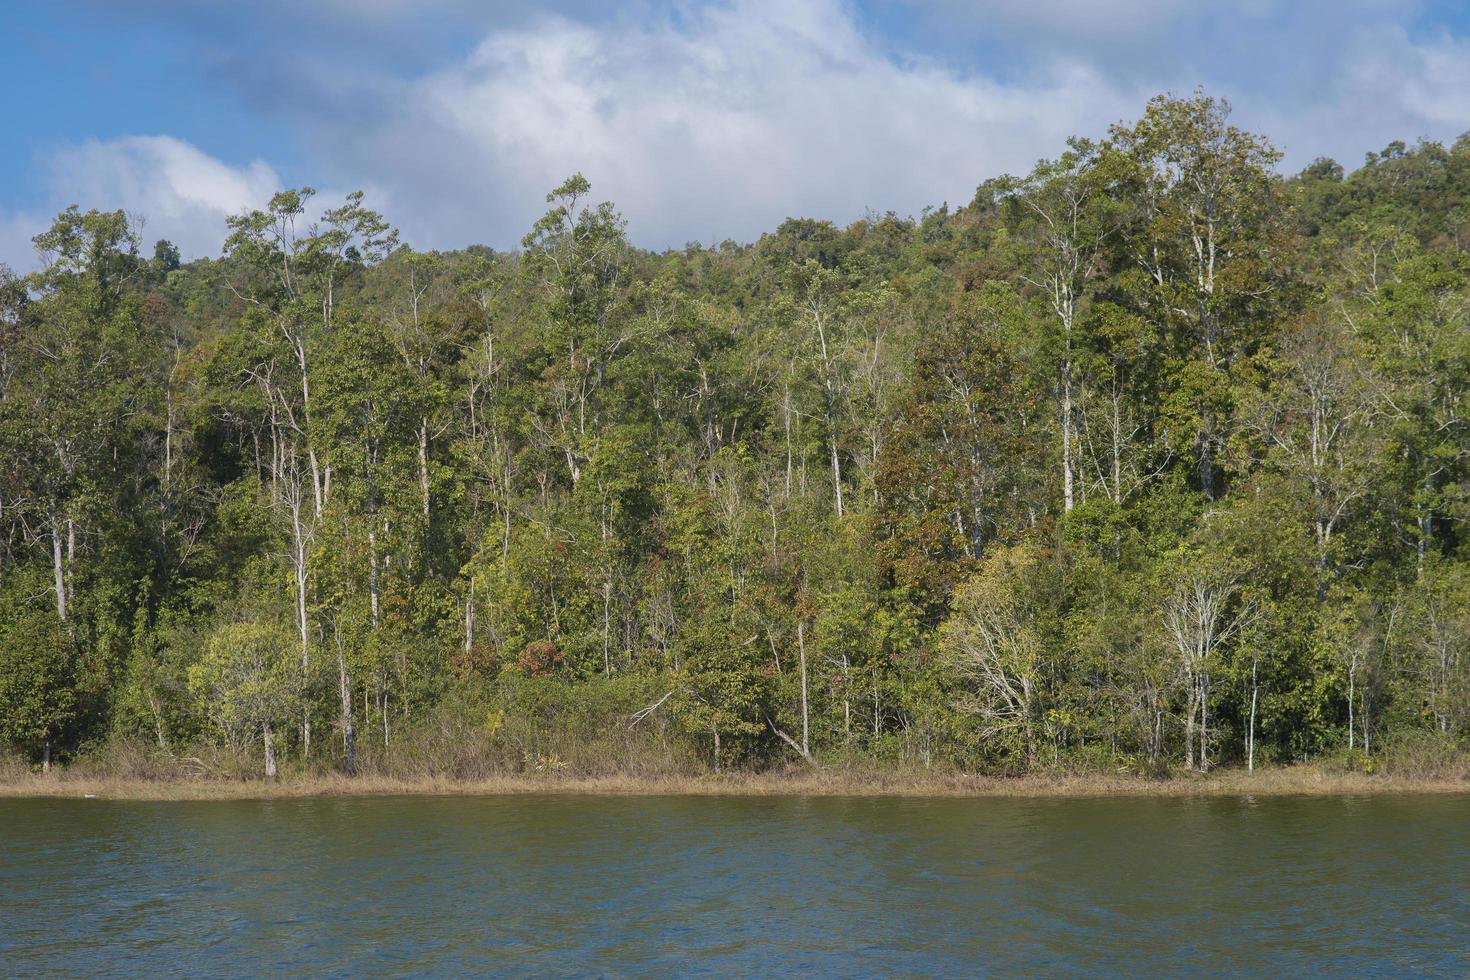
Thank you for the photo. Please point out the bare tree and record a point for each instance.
(993, 641)
(1068, 229)
(1202, 613)
(1318, 423)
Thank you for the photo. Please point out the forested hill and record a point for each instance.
(1151, 458)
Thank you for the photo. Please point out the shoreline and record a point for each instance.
(1291, 781)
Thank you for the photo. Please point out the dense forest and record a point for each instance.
(1154, 458)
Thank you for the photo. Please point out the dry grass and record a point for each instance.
(1289, 781)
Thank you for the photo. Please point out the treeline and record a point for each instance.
(1150, 458)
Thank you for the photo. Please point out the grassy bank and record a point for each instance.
(1303, 780)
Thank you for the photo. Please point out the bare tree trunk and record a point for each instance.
(1250, 763)
(71, 553)
(158, 722)
(373, 571)
(57, 567)
(1426, 526)
(1189, 725)
(316, 482)
(806, 746)
(877, 709)
(606, 625)
(1365, 723)
(46, 756)
(846, 700)
(291, 497)
(168, 428)
(1204, 723)
(349, 726)
(424, 463)
(304, 628)
(1067, 467)
(786, 415)
(469, 617)
(836, 474)
(1116, 439)
(1156, 746)
(270, 751)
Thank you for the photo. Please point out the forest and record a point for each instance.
(1155, 459)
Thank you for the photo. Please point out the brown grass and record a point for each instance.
(1302, 780)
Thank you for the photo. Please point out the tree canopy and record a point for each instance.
(1151, 457)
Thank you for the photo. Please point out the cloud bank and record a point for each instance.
(170, 188)
(712, 120)
(717, 126)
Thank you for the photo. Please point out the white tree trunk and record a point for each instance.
(836, 474)
(349, 728)
(1250, 757)
(58, 568)
(469, 618)
(1204, 723)
(1067, 467)
(806, 745)
(424, 463)
(1189, 726)
(270, 751)
(373, 573)
(303, 624)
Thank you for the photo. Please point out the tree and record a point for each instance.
(1203, 611)
(297, 274)
(579, 256)
(957, 471)
(1149, 435)
(1421, 364)
(1201, 247)
(37, 702)
(1062, 215)
(247, 683)
(73, 386)
(997, 641)
(1316, 419)
(1437, 664)
(166, 256)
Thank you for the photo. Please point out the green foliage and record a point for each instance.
(937, 491)
(37, 701)
(246, 681)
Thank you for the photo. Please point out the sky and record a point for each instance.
(702, 120)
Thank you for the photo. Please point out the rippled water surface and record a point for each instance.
(667, 885)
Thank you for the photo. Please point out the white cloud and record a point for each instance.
(721, 123)
(1380, 85)
(1430, 79)
(16, 232)
(1089, 19)
(724, 119)
(174, 189)
(181, 192)
(706, 119)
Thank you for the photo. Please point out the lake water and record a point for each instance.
(673, 885)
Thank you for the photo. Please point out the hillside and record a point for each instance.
(1152, 458)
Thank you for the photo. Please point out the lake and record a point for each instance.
(698, 885)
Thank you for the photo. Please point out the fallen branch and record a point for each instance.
(643, 713)
(806, 756)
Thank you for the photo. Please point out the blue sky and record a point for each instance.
(701, 119)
